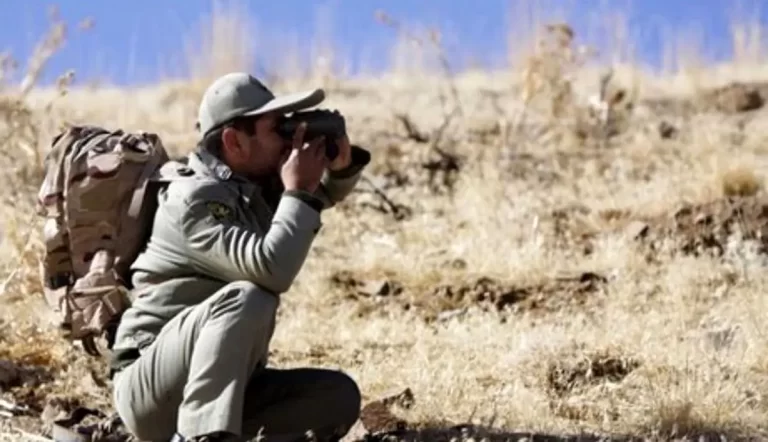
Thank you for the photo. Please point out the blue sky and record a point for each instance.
(137, 41)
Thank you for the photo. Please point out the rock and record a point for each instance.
(381, 288)
(450, 314)
(637, 230)
(667, 131)
(377, 416)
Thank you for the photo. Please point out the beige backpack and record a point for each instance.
(97, 220)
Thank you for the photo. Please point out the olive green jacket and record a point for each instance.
(213, 228)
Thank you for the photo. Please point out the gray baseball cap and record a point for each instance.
(240, 94)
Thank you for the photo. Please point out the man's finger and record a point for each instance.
(298, 136)
(312, 146)
(320, 154)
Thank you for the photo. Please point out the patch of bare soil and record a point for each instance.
(690, 230)
(733, 98)
(449, 300)
(707, 228)
(568, 376)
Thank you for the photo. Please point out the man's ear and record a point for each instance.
(229, 139)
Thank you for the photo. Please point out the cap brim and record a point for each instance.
(291, 102)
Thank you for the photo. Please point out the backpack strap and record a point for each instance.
(141, 188)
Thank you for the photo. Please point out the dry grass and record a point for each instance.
(521, 256)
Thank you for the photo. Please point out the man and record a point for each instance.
(190, 354)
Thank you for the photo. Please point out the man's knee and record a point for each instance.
(247, 299)
(347, 395)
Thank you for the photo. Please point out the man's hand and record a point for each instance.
(303, 165)
(344, 158)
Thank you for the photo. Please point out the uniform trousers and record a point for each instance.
(206, 373)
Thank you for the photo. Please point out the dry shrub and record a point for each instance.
(548, 71)
(741, 181)
(549, 90)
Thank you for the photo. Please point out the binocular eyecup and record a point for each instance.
(330, 124)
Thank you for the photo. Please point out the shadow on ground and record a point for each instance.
(439, 433)
(443, 433)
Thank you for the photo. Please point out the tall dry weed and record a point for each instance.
(26, 129)
(225, 41)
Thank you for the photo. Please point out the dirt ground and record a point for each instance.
(515, 264)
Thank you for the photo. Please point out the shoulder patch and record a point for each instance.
(220, 211)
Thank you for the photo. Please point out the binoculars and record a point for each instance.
(319, 122)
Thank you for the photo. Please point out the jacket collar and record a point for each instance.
(207, 164)
(203, 161)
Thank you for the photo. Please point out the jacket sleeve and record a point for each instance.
(337, 185)
(219, 246)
